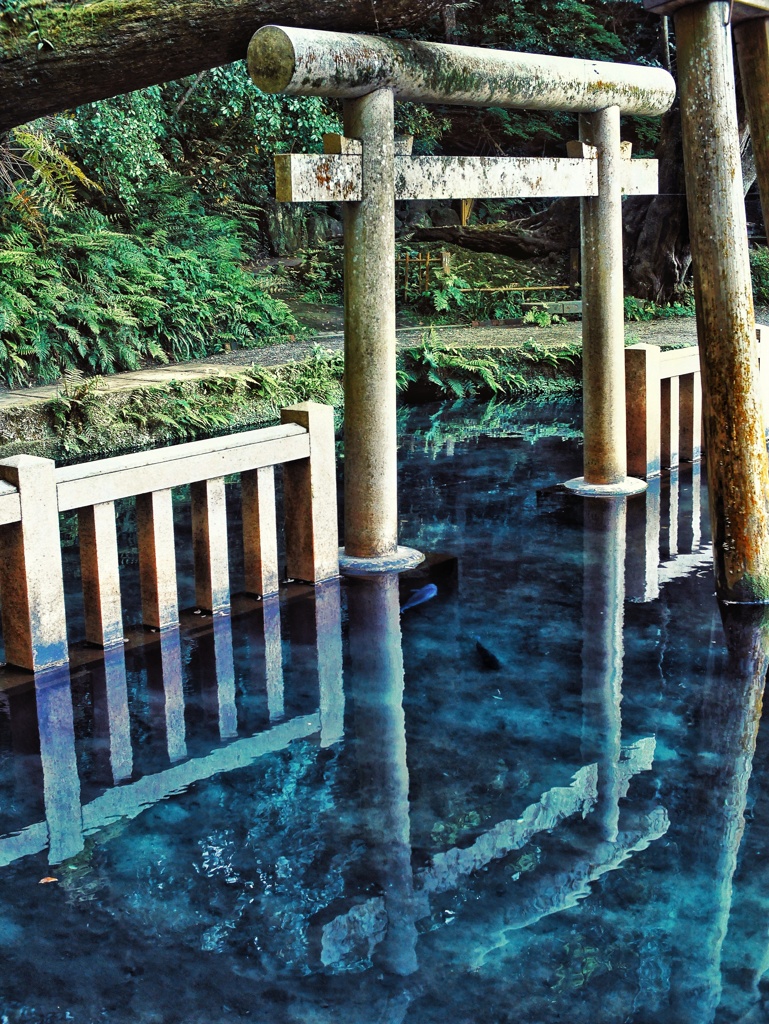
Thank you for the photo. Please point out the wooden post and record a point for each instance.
(738, 468)
(752, 39)
(34, 624)
(370, 471)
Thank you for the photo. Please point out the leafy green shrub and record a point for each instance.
(120, 141)
(759, 271)
(93, 297)
(542, 317)
(320, 277)
(461, 372)
(646, 309)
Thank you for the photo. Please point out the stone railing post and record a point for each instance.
(34, 624)
(309, 487)
(642, 385)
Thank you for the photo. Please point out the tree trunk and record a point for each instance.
(59, 54)
(656, 230)
(555, 229)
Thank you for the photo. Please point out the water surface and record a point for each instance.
(537, 796)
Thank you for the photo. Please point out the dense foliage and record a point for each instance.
(91, 295)
(129, 228)
(118, 233)
(759, 268)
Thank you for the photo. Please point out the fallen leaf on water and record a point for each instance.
(47, 879)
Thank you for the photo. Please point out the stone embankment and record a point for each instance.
(51, 420)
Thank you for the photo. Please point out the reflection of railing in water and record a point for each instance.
(663, 394)
(67, 823)
(33, 492)
(657, 555)
(367, 922)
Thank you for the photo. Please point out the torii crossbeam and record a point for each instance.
(367, 169)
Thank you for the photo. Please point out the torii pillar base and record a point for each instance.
(399, 561)
(630, 485)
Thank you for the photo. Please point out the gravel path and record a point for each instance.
(673, 332)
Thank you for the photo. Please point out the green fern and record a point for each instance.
(101, 299)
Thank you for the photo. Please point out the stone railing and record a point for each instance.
(197, 746)
(33, 492)
(664, 405)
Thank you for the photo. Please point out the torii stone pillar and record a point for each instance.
(365, 170)
(370, 474)
(603, 317)
(735, 443)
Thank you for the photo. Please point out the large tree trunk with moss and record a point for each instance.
(555, 229)
(57, 54)
(656, 229)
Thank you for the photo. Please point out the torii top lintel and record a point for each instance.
(306, 62)
(742, 10)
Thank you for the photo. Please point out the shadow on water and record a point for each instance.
(538, 795)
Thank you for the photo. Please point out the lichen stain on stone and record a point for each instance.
(323, 174)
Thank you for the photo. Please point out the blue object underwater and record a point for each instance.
(425, 593)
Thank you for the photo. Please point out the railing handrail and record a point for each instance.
(92, 483)
(178, 451)
(676, 362)
(33, 492)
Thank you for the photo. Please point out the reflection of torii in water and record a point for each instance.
(385, 926)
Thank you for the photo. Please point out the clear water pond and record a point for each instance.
(537, 794)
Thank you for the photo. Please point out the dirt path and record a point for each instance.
(673, 332)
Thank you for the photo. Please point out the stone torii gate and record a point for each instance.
(735, 443)
(367, 169)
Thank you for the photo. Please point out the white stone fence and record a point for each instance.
(663, 392)
(33, 492)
